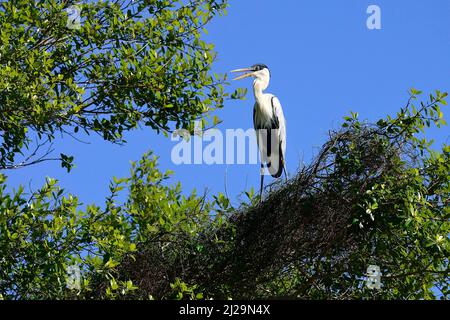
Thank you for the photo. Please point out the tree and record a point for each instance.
(127, 63)
(376, 194)
(43, 233)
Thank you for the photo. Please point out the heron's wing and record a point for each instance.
(281, 137)
(272, 134)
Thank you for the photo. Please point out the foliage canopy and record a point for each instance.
(128, 63)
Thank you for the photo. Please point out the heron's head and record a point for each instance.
(257, 71)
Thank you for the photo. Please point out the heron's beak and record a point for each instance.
(249, 73)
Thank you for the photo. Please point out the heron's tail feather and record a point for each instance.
(277, 171)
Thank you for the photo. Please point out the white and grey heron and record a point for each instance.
(269, 123)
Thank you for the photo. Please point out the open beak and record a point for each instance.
(249, 73)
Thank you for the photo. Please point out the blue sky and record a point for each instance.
(324, 62)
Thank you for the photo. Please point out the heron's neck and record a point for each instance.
(258, 89)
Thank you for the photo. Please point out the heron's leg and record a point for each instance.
(262, 182)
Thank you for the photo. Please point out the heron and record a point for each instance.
(269, 123)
